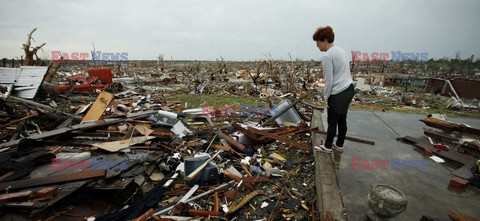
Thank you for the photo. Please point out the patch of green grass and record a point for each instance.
(196, 100)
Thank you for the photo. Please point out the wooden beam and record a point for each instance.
(235, 144)
(15, 196)
(245, 200)
(280, 138)
(48, 180)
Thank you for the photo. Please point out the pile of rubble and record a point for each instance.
(132, 155)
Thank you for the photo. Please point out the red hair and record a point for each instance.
(323, 33)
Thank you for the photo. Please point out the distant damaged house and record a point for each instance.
(401, 80)
(458, 87)
(365, 81)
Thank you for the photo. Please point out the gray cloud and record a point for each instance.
(241, 30)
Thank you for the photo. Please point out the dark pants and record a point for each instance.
(337, 115)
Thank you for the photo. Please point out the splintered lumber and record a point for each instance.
(245, 131)
(6, 175)
(204, 213)
(15, 196)
(449, 126)
(244, 167)
(450, 155)
(47, 191)
(43, 106)
(442, 136)
(215, 201)
(49, 180)
(237, 179)
(280, 138)
(245, 200)
(145, 216)
(456, 216)
(238, 146)
(100, 105)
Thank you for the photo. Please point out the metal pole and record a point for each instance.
(196, 197)
(288, 108)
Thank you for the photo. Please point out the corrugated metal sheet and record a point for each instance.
(25, 79)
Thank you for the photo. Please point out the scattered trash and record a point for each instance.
(437, 159)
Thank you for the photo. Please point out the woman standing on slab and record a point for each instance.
(339, 88)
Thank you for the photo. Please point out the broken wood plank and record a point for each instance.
(440, 136)
(43, 106)
(235, 144)
(450, 155)
(233, 208)
(97, 109)
(244, 167)
(26, 205)
(6, 175)
(215, 201)
(49, 180)
(280, 138)
(236, 179)
(145, 216)
(15, 196)
(456, 216)
(204, 213)
(46, 191)
(245, 131)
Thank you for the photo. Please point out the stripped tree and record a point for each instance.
(30, 53)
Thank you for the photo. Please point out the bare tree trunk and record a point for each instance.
(30, 53)
(52, 71)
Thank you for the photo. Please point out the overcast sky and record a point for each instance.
(241, 29)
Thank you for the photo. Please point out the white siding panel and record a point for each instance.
(25, 79)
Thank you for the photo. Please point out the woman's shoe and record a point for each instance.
(337, 148)
(323, 149)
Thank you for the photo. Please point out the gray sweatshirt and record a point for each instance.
(336, 71)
